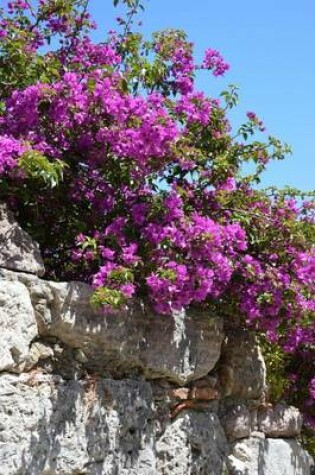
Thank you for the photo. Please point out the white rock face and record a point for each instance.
(242, 369)
(17, 250)
(237, 421)
(181, 348)
(261, 456)
(193, 444)
(83, 424)
(99, 427)
(49, 426)
(18, 325)
(280, 421)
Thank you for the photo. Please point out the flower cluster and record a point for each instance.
(10, 150)
(147, 195)
(215, 62)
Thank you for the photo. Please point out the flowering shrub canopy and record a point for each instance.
(133, 180)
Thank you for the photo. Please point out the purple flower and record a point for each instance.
(215, 62)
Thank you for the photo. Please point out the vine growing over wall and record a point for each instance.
(133, 180)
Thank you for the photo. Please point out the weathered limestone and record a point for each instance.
(37, 352)
(260, 456)
(100, 427)
(237, 421)
(182, 347)
(17, 250)
(240, 420)
(242, 368)
(17, 325)
(193, 444)
(279, 421)
(88, 393)
(50, 426)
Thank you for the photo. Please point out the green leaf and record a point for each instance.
(37, 166)
(104, 296)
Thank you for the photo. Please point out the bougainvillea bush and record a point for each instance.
(134, 181)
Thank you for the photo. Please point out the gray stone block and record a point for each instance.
(17, 250)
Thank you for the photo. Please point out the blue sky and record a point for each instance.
(270, 46)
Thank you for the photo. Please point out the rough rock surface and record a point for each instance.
(58, 427)
(17, 250)
(89, 399)
(237, 421)
(193, 444)
(242, 361)
(49, 426)
(240, 420)
(279, 421)
(100, 427)
(181, 348)
(18, 325)
(263, 456)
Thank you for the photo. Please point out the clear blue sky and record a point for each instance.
(270, 46)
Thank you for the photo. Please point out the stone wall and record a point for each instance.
(88, 393)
